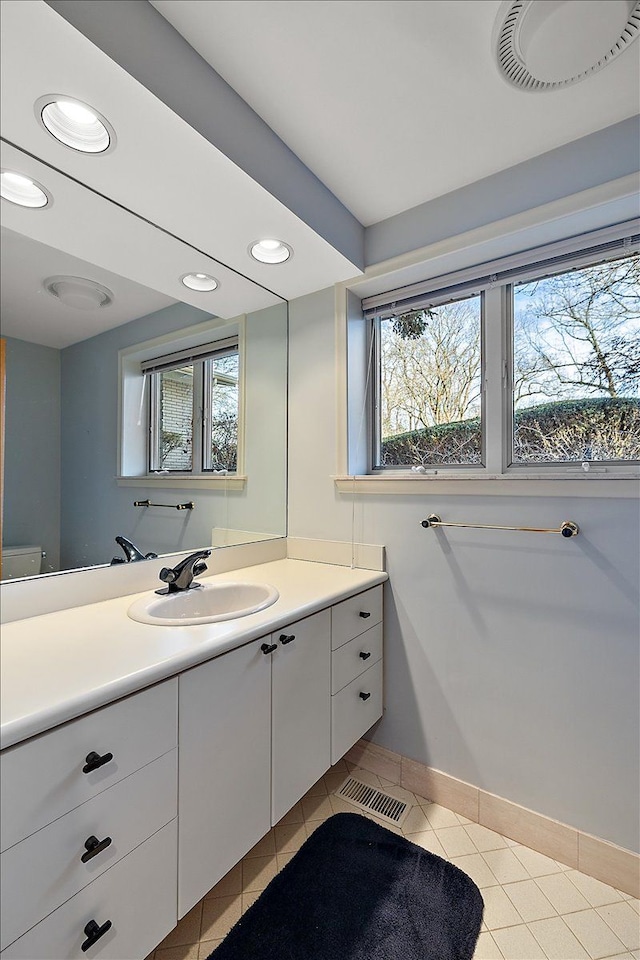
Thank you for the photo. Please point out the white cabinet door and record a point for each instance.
(300, 710)
(224, 766)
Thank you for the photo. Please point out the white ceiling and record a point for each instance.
(161, 169)
(394, 102)
(89, 228)
(390, 104)
(30, 313)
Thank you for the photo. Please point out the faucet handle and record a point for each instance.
(131, 552)
(181, 576)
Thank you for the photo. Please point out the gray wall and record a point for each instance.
(95, 508)
(510, 663)
(598, 158)
(32, 448)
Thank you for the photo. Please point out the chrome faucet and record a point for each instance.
(181, 576)
(131, 552)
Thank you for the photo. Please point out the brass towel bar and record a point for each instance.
(567, 529)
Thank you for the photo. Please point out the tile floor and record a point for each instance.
(534, 906)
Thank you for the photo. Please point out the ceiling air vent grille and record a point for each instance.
(527, 25)
(369, 798)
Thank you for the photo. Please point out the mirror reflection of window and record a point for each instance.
(175, 446)
(193, 413)
(221, 413)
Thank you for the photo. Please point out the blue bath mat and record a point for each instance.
(357, 891)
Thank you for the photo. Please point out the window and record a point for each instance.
(576, 365)
(194, 410)
(429, 392)
(529, 363)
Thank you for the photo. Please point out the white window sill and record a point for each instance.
(168, 481)
(531, 485)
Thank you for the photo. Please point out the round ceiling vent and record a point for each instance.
(548, 44)
(79, 293)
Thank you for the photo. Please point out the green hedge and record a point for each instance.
(599, 429)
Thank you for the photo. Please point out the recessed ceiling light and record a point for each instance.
(270, 251)
(75, 124)
(201, 282)
(79, 293)
(17, 188)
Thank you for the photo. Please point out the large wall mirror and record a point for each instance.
(69, 489)
(154, 169)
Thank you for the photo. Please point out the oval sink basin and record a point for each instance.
(207, 603)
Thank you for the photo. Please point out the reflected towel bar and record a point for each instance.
(172, 506)
(567, 529)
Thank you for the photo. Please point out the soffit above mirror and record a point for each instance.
(30, 313)
(162, 169)
(83, 224)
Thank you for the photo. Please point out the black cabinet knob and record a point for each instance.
(286, 639)
(364, 614)
(364, 655)
(269, 647)
(93, 932)
(365, 696)
(94, 760)
(93, 847)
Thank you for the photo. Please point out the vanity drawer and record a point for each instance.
(355, 615)
(351, 715)
(138, 896)
(354, 657)
(48, 864)
(43, 778)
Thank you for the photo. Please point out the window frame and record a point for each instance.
(568, 468)
(133, 398)
(497, 334)
(202, 420)
(376, 467)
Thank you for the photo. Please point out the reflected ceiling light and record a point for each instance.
(79, 293)
(200, 282)
(75, 124)
(17, 188)
(549, 44)
(270, 251)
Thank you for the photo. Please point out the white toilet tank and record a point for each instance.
(21, 561)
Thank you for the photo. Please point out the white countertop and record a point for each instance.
(61, 665)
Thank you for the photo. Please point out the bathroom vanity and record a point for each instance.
(141, 762)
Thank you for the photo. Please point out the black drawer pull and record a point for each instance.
(287, 639)
(93, 847)
(269, 647)
(93, 933)
(363, 655)
(94, 760)
(364, 614)
(365, 696)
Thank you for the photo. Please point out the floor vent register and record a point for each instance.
(369, 798)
